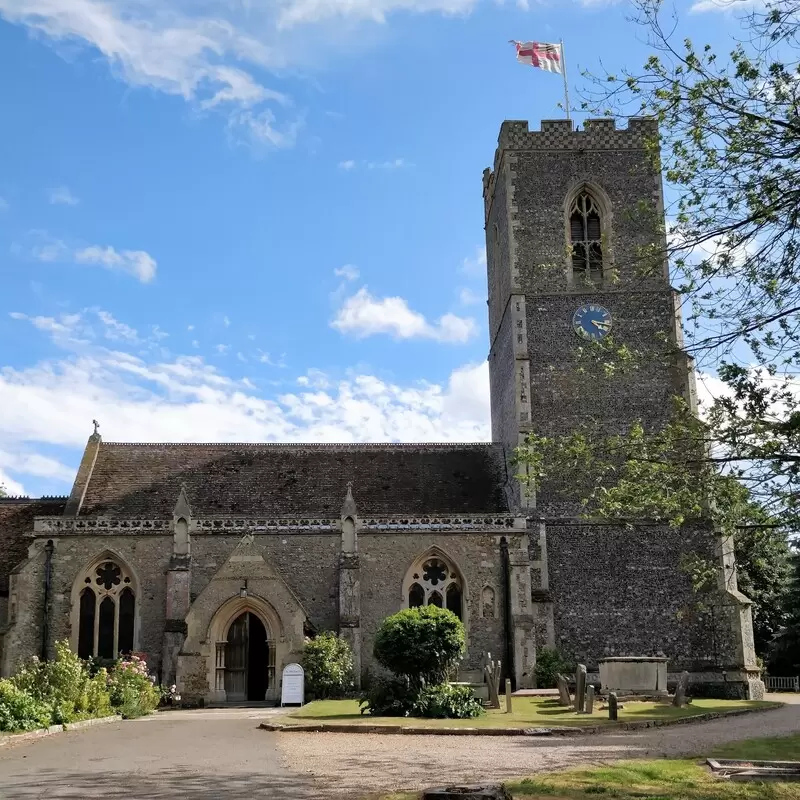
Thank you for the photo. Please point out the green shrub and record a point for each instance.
(328, 665)
(389, 697)
(64, 685)
(19, 711)
(133, 692)
(446, 701)
(422, 645)
(550, 663)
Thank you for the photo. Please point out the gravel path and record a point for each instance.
(361, 763)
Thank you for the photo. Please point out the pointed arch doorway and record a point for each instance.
(249, 659)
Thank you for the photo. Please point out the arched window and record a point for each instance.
(586, 234)
(433, 581)
(106, 610)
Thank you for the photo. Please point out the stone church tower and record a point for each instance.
(217, 560)
(573, 218)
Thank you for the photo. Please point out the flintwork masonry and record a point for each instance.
(217, 560)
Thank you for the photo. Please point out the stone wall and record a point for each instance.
(385, 558)
(621, 591)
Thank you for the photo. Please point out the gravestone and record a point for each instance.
(589, 699)
(580, 689)
(679, 701)
(613, 713)
(492, 670)
(508, 695)
(563, 691)
(293, 685)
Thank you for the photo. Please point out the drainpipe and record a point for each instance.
(48, 572)
(509, 634)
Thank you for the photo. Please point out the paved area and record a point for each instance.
(222, 753)
(359, 763)
(186, 754)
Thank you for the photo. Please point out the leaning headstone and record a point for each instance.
(589, 699)
(508, 695)
(563, 691)
(580, 689)
(679, 701)
(492, 671)
(613, 713)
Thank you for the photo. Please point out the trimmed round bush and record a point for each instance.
(389, 697)
(19, 711)
(422, 645)
(328, 665)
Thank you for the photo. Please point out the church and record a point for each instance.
(216, 561)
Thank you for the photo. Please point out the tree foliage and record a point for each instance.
(328, 665)
(729, 146)
(421, 645)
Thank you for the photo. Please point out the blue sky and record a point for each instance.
(259, 221)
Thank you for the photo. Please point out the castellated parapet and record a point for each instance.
(560, 134)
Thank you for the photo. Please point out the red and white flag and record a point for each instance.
(546, 56)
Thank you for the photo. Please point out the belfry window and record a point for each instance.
(106, 611)
(432, 581)
(586, 233)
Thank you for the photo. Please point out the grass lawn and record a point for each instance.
(528, 712)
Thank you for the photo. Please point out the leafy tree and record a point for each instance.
(783, 657)
(328, 665)
(421, 645)
(729, 145)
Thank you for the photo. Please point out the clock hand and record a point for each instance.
(602, 325)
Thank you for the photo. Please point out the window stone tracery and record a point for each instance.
(434, 581)
(106, 610)
(586, 236)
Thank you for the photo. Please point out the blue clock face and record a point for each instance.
(591, 322)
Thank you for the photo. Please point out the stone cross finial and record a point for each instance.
(96, 426)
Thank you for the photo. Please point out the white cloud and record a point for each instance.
(364, 315)
(138, 263)
(184, 399)
(62, 196)
(222, 349)
(467, 297)
(349, 164)
(724, 5)
(396, 163)
(13, 488)
(475, 265)
(349, 272)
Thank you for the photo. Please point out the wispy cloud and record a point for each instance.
(349, 272)
(138, 263)
(468, 297)
(183, 398)
(475, 265)
(62, 196)
(396, 163)
(364, 315)
(347, 165)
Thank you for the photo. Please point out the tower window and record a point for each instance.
(585, 228)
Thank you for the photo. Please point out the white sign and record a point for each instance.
(293, 685)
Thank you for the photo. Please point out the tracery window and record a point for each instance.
(106, 611)
(586, 233)
(435, 582)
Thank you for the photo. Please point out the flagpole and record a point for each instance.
(566, 84)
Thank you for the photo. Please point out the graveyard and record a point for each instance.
(527, 712)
